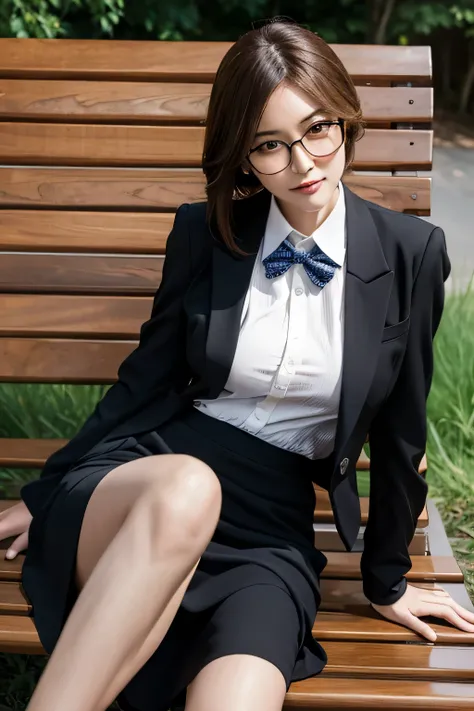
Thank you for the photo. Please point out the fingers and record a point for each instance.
(418, 625)
(19, 544)
(446, 612)
(446, 599)
(14, 521)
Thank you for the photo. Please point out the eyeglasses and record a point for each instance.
(321, 139)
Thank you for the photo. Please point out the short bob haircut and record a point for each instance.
(253, 67)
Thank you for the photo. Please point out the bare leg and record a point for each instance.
(156, 635)
(237, 682)
(123, 611)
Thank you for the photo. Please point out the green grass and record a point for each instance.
(59, 410)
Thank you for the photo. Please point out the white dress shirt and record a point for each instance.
(284, 385)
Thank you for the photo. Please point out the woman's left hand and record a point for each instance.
(418, 602)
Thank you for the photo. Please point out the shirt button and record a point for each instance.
(298, 291)
(291, 362)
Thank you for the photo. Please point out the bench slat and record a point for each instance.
(341, 566)
(399, 661)
(324, 693)
(165, 60)
(33, 360)
(73, 316)
(442, 569)
(117, 317)
(337, 596)
(80, 274)
(126, 102)
(329, 540)
(18, 633)
(366, 625)
(179, 146)
(146, 188)
(325, 514)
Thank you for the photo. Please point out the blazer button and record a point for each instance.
(343, 466)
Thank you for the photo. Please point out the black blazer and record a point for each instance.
(394, 297)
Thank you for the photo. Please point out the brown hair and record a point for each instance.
(247, 75)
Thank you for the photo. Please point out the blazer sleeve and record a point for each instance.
(156, 364)
(398, 437)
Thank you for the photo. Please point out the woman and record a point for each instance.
(171, 542)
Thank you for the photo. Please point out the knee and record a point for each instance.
(190, 500)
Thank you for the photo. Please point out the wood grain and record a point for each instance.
(169, 102)
(177, 146)
(195, 61)
(158, 189)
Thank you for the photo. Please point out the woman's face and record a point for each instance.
(287, 117)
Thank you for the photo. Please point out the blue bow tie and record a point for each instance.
(318, 266)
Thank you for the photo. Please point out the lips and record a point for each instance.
(305, 185)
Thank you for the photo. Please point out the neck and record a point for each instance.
(307, 222)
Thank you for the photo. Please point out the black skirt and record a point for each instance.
(256, 588)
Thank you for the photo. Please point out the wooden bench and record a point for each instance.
(100, 141)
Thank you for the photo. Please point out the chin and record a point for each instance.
(313, 202)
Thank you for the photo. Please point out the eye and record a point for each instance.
(318, 129)
(268, 146)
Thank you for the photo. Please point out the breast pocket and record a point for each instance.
(392, 348)
(398, 329)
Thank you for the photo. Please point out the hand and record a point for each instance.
(418, 602)
(15, 520)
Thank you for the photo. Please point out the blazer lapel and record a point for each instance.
(231, 276)
(367, 291)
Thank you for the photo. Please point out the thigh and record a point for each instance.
(163, 478)
(250, 645)
(237, 682)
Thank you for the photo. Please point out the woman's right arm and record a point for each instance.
(155, 364)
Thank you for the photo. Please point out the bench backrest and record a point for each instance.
(100, 141)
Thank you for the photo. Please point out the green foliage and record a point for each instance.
(336, 21)
(55, 18)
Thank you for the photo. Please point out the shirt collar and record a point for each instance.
(330, 236)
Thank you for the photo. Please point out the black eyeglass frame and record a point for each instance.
(339, 122)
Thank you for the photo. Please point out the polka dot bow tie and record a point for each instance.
(318, 266)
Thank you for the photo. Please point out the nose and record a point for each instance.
(301, 161)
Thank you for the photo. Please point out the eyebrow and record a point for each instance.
(273, 133)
